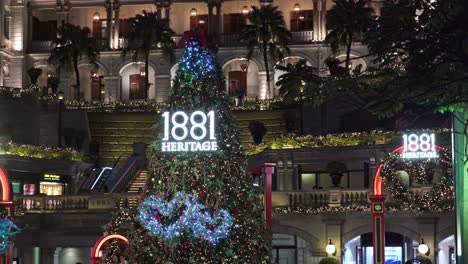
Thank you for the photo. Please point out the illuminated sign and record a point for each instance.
(51, 177)
(419, 146)
(189, 132)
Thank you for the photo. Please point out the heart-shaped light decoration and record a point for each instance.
(191, 218)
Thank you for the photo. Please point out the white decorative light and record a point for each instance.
(330, 248)
(296, 7)
(245, 10)
(96, 16)
(193, 132)
(193, 12)
(423, 248)
(419, 146)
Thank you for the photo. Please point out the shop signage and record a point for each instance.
(189, 132)
(51, 177)
(419, 146)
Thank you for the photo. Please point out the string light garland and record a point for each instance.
(7, 230)
(183, 214)
(435, 174)
(211, 183)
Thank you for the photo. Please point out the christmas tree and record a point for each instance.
(199, 204)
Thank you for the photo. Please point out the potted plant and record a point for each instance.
(53, 83)
(336, 170)
(34, 74)
(329, 260)
(240, 97)
(257, 130)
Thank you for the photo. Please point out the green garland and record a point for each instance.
(40, 152)
(375, 137)
(434, 174)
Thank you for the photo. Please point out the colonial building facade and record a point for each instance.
(310, 211)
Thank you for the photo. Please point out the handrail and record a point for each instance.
(130, 170)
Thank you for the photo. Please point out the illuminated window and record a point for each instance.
(51, 188)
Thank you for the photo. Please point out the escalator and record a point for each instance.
(116, 179)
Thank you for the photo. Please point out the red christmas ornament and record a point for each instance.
(202, 195)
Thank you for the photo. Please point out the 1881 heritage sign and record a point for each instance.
(189, 131)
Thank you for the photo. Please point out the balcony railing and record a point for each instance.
(41, 46)
(353, 199)
(313, 199)
(302, 37)
(320, 198)
(227, 40)
(50, 204)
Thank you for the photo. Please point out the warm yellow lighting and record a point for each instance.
(193, 12)
(96, 16)
(301, 16)
(330, 248)
(423, 248)
(245, 10)
(297, 7)
(60, 95)
(142, 72)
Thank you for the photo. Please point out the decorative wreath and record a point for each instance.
(433, 176)
(183, 215)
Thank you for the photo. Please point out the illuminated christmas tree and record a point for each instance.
(200, 204)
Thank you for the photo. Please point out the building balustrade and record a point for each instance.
(41, 46)
(280, 199)
(50, 204)
(302, 37)
(226, 40)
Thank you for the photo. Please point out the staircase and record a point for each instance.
(139, 182)
(273, 120)
(116, 132)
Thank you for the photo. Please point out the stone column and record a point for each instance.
(29, 30)
(59, 9)
(323, 23)
(47, 255)
(210, 19)
(427, 230)
(66, 12)
(116, 24)
(167, 10)
(111, 88)
(57, 255)
(218, 21)
(334, 232)
(162, 86)
(158, 9)
(2, 14)
(109, 23)
(316, 20)
(2, 83)
(262, 85)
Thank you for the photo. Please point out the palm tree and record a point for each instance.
(72, 44)
(346, 18)
(299, 80)
(148, 31)
(267, 33)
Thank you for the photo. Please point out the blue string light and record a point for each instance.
(7, 230)
(196, 62)
(186, 216)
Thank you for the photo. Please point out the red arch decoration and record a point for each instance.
(378, 212)
(378, 181)
(5, 182)
(6, 191)
(101, 241)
